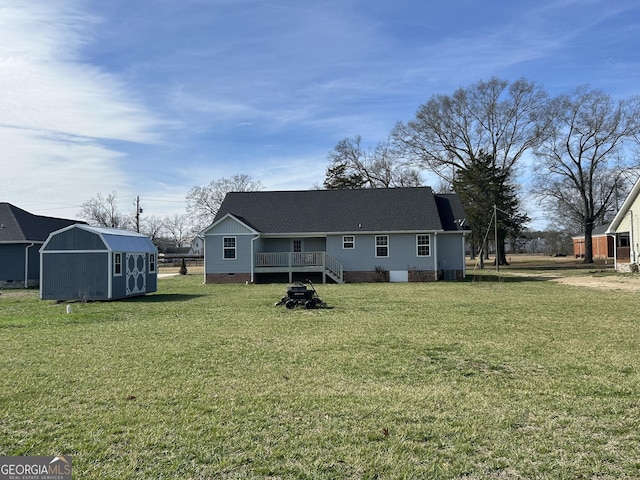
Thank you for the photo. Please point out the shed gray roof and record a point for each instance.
(123, 240)
(372, 210)
(114, 239)
(19, 226)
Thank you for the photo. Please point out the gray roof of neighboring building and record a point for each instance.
(347, 210)
(20, 226)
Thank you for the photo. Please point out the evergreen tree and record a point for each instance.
(485, 188)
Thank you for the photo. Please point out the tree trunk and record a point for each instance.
(501, 256)
(588, 241)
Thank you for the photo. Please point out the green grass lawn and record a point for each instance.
(471, 380)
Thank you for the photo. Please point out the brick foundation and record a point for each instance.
(228, 278)
(423, 276)
(366, 277)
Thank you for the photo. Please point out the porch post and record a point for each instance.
(253, 259)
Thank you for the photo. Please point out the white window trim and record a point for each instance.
(353, 242)
(117, 263)
(418, 244)
(375, 241)
(235, 248)
(152, 263)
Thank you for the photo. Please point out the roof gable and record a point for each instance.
(18, 225)
(350, 210)
(627, 205)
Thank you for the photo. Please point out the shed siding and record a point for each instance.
(74, 276)
(215, 263)
(75, 239)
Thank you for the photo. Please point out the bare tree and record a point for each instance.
(179, 228)
(203, 203)
(352, 166)
(153, 227)
(582, 161)
(491, 118)
(103, 212)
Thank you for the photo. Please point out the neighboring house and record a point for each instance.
(90, 263)
(355, 235)
(197, 246)
(625, 229)
(603, 244)
(21, 235)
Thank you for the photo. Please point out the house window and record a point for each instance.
(229, 248)
(382, 245)
(422, 242)
(117, 264)
(297, 246)
(348, 241)
(152, 263)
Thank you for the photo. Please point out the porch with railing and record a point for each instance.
(297, 262)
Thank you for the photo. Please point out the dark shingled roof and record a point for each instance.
(370, 210)
(20, 226)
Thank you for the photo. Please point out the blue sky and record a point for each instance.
(153, 97)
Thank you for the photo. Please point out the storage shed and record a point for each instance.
(81, 262)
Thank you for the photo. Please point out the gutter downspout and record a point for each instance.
(26, 264)
(435, 254)
(464, 255)
(632, 252)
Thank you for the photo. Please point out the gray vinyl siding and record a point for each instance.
(34, 263)
(314, 244)
(72, 276)
(311, 244)
(215, 263)
(402, 253)
(275, 245)
(12, 261)
(450, 255)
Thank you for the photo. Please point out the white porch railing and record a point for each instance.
(301, 261)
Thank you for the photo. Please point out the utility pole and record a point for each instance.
(495, 225)
(138, 212)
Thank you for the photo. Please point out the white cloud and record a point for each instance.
(50, 170)
(55, 109)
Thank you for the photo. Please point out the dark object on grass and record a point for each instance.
(299, 294)
(183, 268)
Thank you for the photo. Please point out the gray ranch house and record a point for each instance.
(357, 235)
(81, 262)
(21, 235)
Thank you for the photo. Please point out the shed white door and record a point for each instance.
(136, 273)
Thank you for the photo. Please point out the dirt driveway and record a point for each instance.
(572, 272)
(608, 282)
